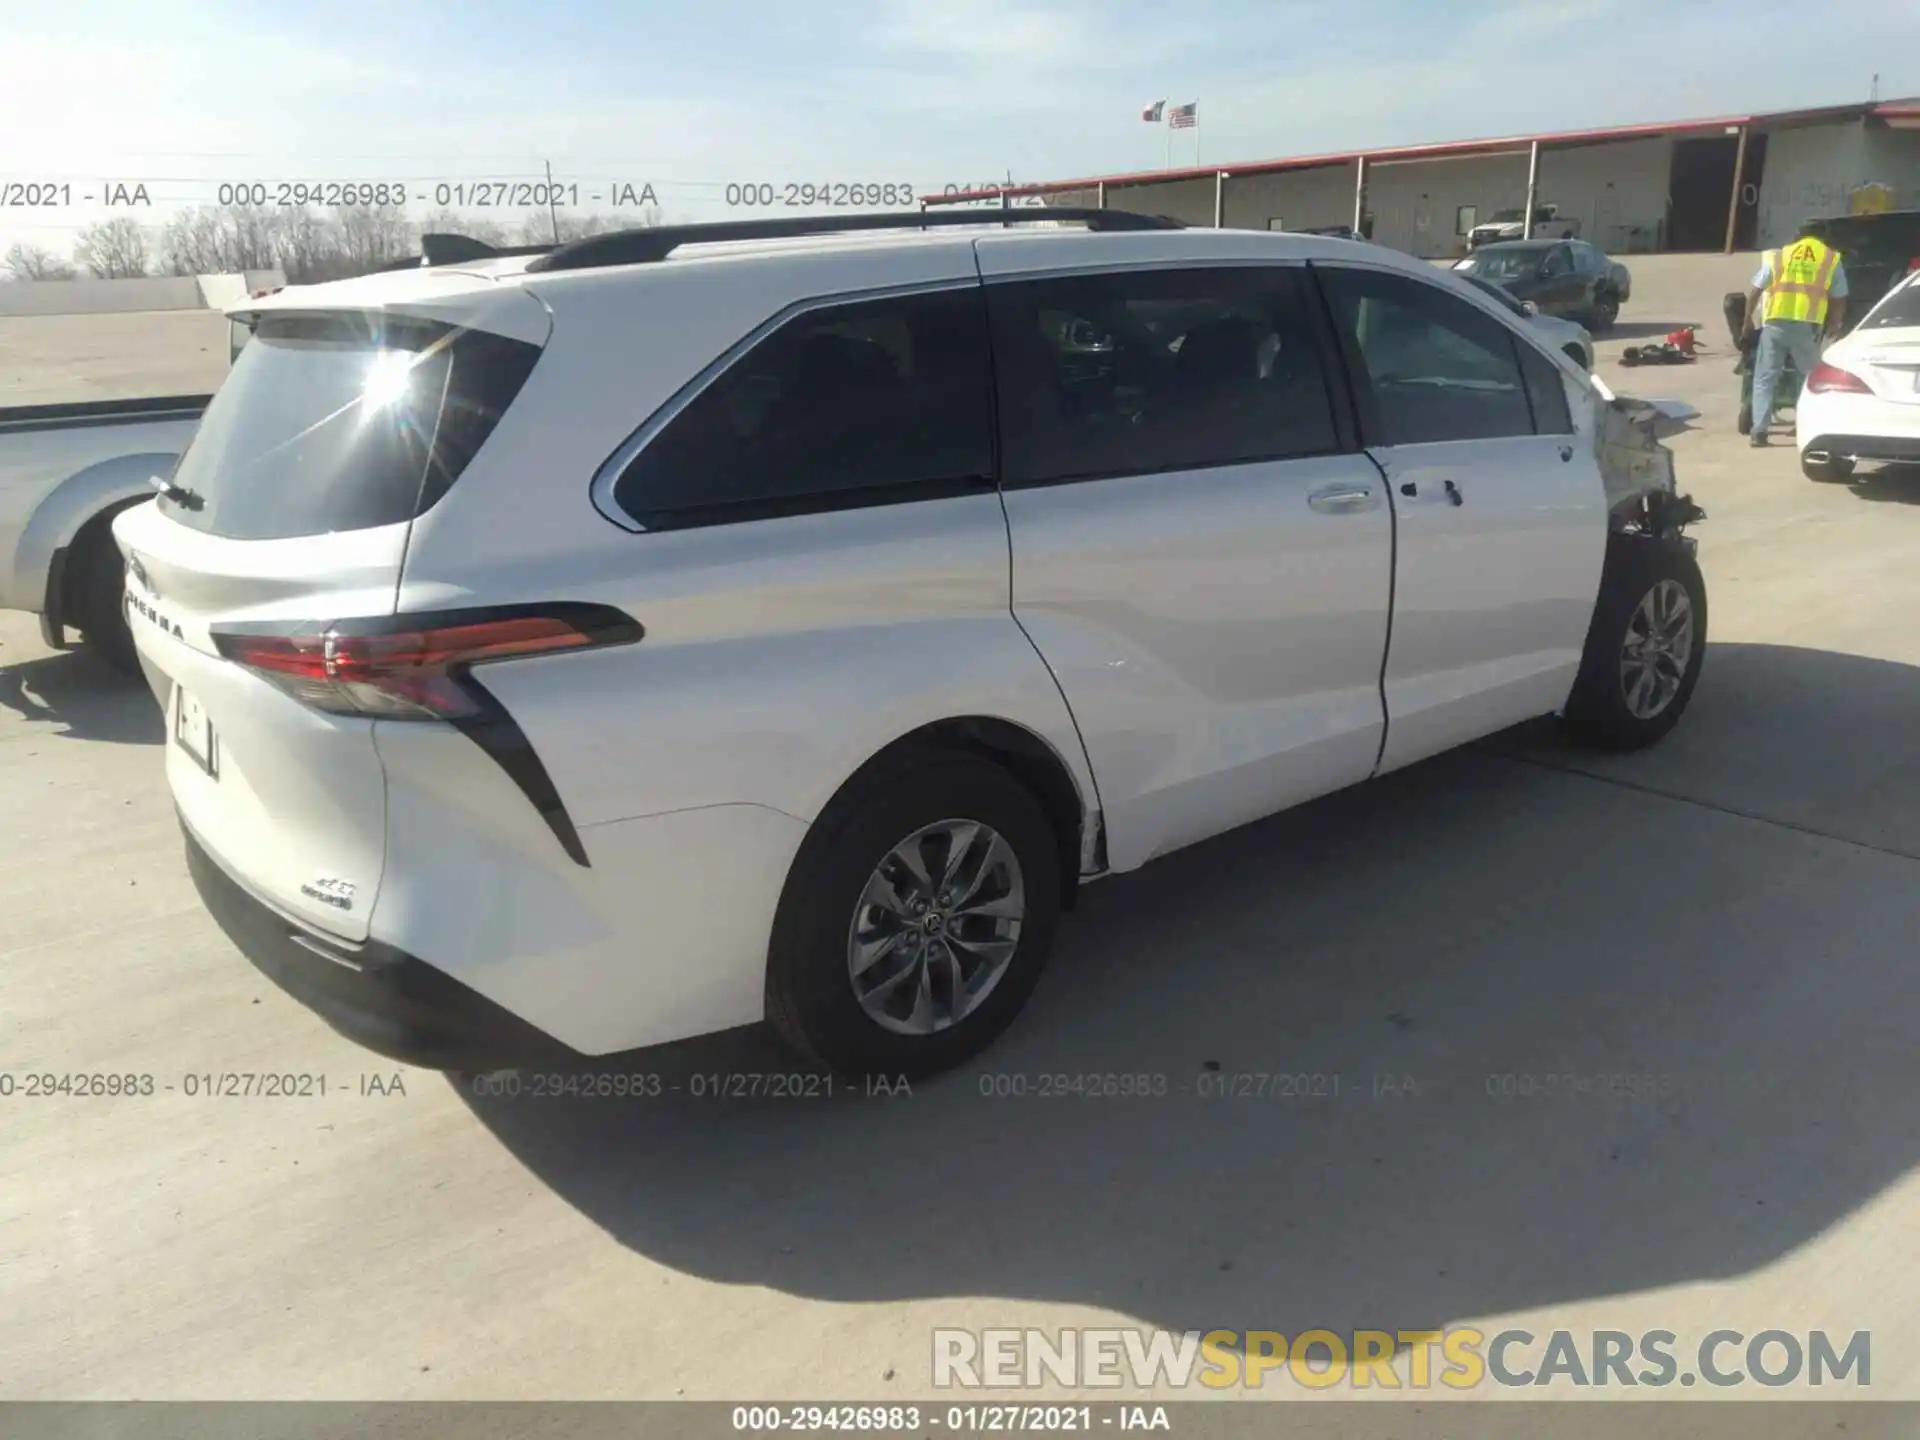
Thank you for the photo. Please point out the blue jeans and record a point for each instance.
(1781, 340)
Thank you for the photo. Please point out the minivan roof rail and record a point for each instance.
(642, 246)
(445, 248)
(638, 246)
(450, 249)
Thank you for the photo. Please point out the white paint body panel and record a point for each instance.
(55, 478)
(1220, 642)
(1887, 358)
(780, 655)
(299, 796)
(1493, 596)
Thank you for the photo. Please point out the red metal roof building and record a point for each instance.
(1721, 182)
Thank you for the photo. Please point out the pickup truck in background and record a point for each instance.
(1548, 224)
(65, 472)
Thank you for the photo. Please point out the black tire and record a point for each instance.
(1606, 310)
(1829, 469)
(96, 582)
(810, 995)
(1598, 713)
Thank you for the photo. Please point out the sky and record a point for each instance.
(690, 96)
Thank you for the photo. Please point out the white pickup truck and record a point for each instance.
(1548, 224)
(65, 472)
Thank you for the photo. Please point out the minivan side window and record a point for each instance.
(867, 402)
(1148, 371)
(1432, 366)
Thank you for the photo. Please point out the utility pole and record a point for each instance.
(553, 209)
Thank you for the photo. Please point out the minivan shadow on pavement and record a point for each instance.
(1562, 1026)
(83, 695)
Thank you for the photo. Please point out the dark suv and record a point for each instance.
(1878, 251)
(1568, 278)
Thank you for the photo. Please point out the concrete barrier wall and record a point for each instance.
(217, 292)
(128, 297)
(99, 297)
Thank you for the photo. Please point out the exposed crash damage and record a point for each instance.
(1642, 492)
(1647, 641)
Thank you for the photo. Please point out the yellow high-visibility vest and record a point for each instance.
(1802, 280)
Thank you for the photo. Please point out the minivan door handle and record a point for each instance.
(1343, 499)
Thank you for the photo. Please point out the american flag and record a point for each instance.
(1151, 113)
(1184, 117)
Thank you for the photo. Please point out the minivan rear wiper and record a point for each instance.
(186, 499)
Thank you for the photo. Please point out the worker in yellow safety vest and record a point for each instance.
(1799, 298)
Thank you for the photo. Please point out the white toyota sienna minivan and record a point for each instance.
(572, 651)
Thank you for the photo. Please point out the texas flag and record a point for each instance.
(1151, 113)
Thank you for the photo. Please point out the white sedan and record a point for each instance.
(1862, 401)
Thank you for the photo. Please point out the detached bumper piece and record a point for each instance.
(385, 999)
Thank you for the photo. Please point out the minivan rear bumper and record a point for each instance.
(385, 999)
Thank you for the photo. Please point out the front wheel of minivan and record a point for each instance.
(916, 919)
(1644, 648)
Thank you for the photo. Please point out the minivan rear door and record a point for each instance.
(289, 514)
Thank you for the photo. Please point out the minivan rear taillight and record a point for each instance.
(414, 667)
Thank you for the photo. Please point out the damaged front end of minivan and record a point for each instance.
(1643, 497)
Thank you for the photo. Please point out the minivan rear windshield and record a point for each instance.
(342, 421)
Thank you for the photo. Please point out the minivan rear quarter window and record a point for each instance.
(342, 421)
(859, 403)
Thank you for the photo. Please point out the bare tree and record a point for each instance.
(305, 245)
(370, 236)
(114, 249)
(255, 238)
(188, 242)
(539, 229)
(308, 246)
(455, 222)
(35, 262)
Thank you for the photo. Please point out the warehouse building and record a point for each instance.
(1737, 182)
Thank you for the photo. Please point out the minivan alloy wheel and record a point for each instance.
(1658, 649)
(936, 926)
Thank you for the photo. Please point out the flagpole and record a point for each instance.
(1166, 121)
